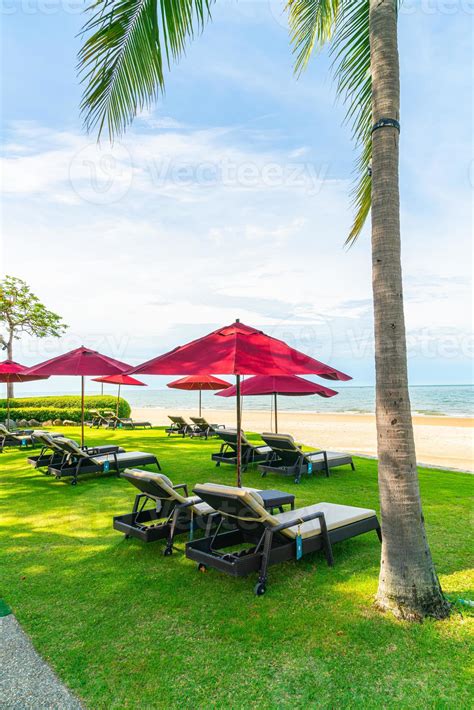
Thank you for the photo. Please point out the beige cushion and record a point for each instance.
(336, 516)
(249, 497)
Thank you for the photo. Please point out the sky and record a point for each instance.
(230, 197)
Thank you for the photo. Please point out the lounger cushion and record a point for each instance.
(336, 516)
(332, 456)
(166, 490)
(127, 456)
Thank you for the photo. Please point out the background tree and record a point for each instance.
(22, 312)
(130, 43)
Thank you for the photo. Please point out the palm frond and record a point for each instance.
(122, 60)
(312, 23)
(345, 24)
(350, 50)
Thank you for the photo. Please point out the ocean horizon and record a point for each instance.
(428, 400)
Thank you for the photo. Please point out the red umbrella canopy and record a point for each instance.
(237, 349)
(120, 380)
(11, 371)
(288, 385)
(81, 361)
(200, 382)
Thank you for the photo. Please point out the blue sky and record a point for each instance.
(231, 197)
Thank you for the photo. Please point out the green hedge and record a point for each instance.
(68, 407)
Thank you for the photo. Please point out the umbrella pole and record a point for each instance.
(82, 410)
(101, 388)
(8, 410)
(199, 403)
(276, 413)
(118, 402)
(239, 426)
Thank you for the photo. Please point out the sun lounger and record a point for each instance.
(80, 462)
(268, 538)
(203, 428)
(125, 422)
(179, 426)
(54, 452)
(98, 420)
(24, 439)
(173, 511)
(228, 451)
(289, 459)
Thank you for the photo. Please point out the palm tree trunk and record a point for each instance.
(408, 584)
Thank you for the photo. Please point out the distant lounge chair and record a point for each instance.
(179, 426)
(125, 422)
(173, 512)
(80, 462)
(99, 420)
(24, 439)
(289, 459)
(203, 428)
(54, 452)
(228, 451)
(271, 538)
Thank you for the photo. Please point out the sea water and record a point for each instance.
(436, 400)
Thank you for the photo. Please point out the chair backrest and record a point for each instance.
(179, 421)
(284, 446)
(47, 440)
(154, 485)
(241, 505)
(230, 438)
(200, 422)
(70, 447)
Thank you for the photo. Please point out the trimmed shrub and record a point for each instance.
(67, 407)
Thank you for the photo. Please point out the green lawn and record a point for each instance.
(125, 627)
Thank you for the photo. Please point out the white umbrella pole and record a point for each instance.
(276, 413)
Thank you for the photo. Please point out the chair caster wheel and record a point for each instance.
(260, 589)
(297, 480)
(73, 483)
(127, 537)
(168, 551)
(201, 567)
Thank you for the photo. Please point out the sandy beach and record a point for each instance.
(447, 442)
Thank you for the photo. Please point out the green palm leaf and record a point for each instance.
(122, 60)
(344, 23)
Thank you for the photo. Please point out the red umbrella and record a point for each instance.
(11, 371)
(199, 382)
(120, 380)
(237, 350)
(81, 362)
(287, 385)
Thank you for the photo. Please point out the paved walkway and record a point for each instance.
(26, 681)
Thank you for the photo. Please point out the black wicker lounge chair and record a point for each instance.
(173, 511)
(24, 439)
(203, 428)
(228, 451)
(98, 420)
(271, 538)
(125, 422)
(80, 462)
(179, 426)
(289, 459)
(54, 452)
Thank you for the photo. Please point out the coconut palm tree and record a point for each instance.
(130, 43)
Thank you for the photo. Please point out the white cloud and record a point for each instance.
(185, 238)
